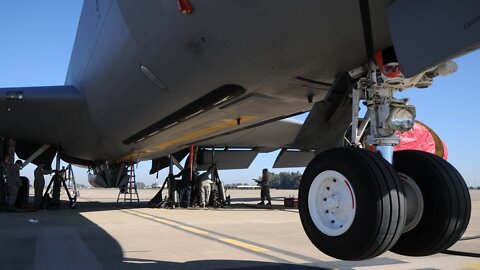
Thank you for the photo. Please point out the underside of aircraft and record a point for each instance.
(148, 79)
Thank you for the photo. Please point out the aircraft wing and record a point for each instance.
(264, 138)
(237, 150)
(34, 116)
(298, 141)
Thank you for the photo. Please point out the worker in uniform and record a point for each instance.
(39, 184)
(185, 186)
(14, 182)
(57, 179)
(206, 186)
(265, 188)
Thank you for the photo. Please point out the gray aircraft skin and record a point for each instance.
(147, 80)
(136, 63)
(249, 46)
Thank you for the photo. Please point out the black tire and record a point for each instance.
(380, 213)
(446, 202)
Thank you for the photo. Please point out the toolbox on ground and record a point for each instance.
(290, 202)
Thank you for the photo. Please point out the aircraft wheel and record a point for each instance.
(351, 203)
(446, 204)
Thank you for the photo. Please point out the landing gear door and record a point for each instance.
(427, 32)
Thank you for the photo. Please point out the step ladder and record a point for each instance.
(130, 191)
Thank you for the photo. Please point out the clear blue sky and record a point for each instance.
(37, 39)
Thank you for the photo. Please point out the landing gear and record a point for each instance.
(351, 204)
(356, 204)
(446, 204)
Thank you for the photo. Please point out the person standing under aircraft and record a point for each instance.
(185, 187)
(39, 184)
(205, 186)
(14, 182)
(265, 188)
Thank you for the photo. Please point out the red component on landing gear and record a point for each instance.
(390, 70)
(185, 6)
(422, 138)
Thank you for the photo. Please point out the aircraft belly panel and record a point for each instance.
(451, 28)
(291, 39)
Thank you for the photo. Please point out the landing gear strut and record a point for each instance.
(356, 203)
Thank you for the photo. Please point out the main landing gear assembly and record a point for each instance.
(358, 203)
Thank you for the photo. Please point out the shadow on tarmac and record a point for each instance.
(219, 264)
(65, 239)
(23, 246)
(94, 206)
(255, 199)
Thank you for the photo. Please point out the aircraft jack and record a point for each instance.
(71, 183)
(57, 180)
(157, 201)
(217, 197)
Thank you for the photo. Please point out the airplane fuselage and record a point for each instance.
(137, 63)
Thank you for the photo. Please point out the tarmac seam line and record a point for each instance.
(272, 249)
(198, 231)
(207, 235)
(221, 235)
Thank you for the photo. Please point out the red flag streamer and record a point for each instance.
(185, 6)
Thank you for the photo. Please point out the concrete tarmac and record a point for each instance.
(101, 234)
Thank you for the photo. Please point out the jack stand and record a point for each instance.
(72, 184)
(56, 181)
(171, 200)
(218, 191)
(157, 201)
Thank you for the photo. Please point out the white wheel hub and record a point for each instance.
(414, 202)
(331, 203)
